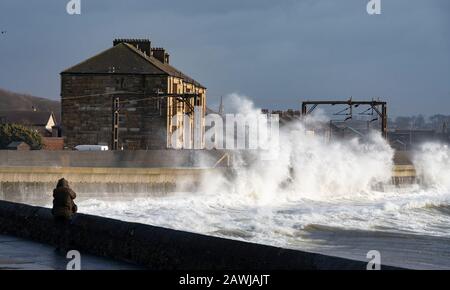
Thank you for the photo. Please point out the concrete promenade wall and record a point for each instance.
(123, 159)
(32, 175)
(159, 248)
(35, 184)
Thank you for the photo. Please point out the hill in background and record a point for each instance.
(11, 101)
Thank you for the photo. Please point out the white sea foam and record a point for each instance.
(432, 161)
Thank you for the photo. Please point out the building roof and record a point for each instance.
(126, 59)
(33, 118)
(16, 144)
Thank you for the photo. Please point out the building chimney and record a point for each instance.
(160, 54)
(143, 45)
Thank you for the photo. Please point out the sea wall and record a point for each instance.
(30, 184)
(30, 176)
(159, 248)
(122, 159)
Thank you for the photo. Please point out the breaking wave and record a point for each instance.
(306, 165)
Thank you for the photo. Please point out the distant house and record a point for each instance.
(20, 146)
(43, 122)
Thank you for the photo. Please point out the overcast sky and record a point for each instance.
(278, 52)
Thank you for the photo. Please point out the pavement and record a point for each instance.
(20, 254)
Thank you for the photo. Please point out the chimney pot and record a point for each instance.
(160, 54)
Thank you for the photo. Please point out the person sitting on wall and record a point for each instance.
(63, 206)
(63, 210)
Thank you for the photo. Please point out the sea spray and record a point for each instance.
(432, 163)
(305, 164)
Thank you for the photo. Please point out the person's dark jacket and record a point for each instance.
(63, 196)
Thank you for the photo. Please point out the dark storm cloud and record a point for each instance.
(277, 52)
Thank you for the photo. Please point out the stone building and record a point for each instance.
(137, 82)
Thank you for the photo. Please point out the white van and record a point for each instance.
(91, 148)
